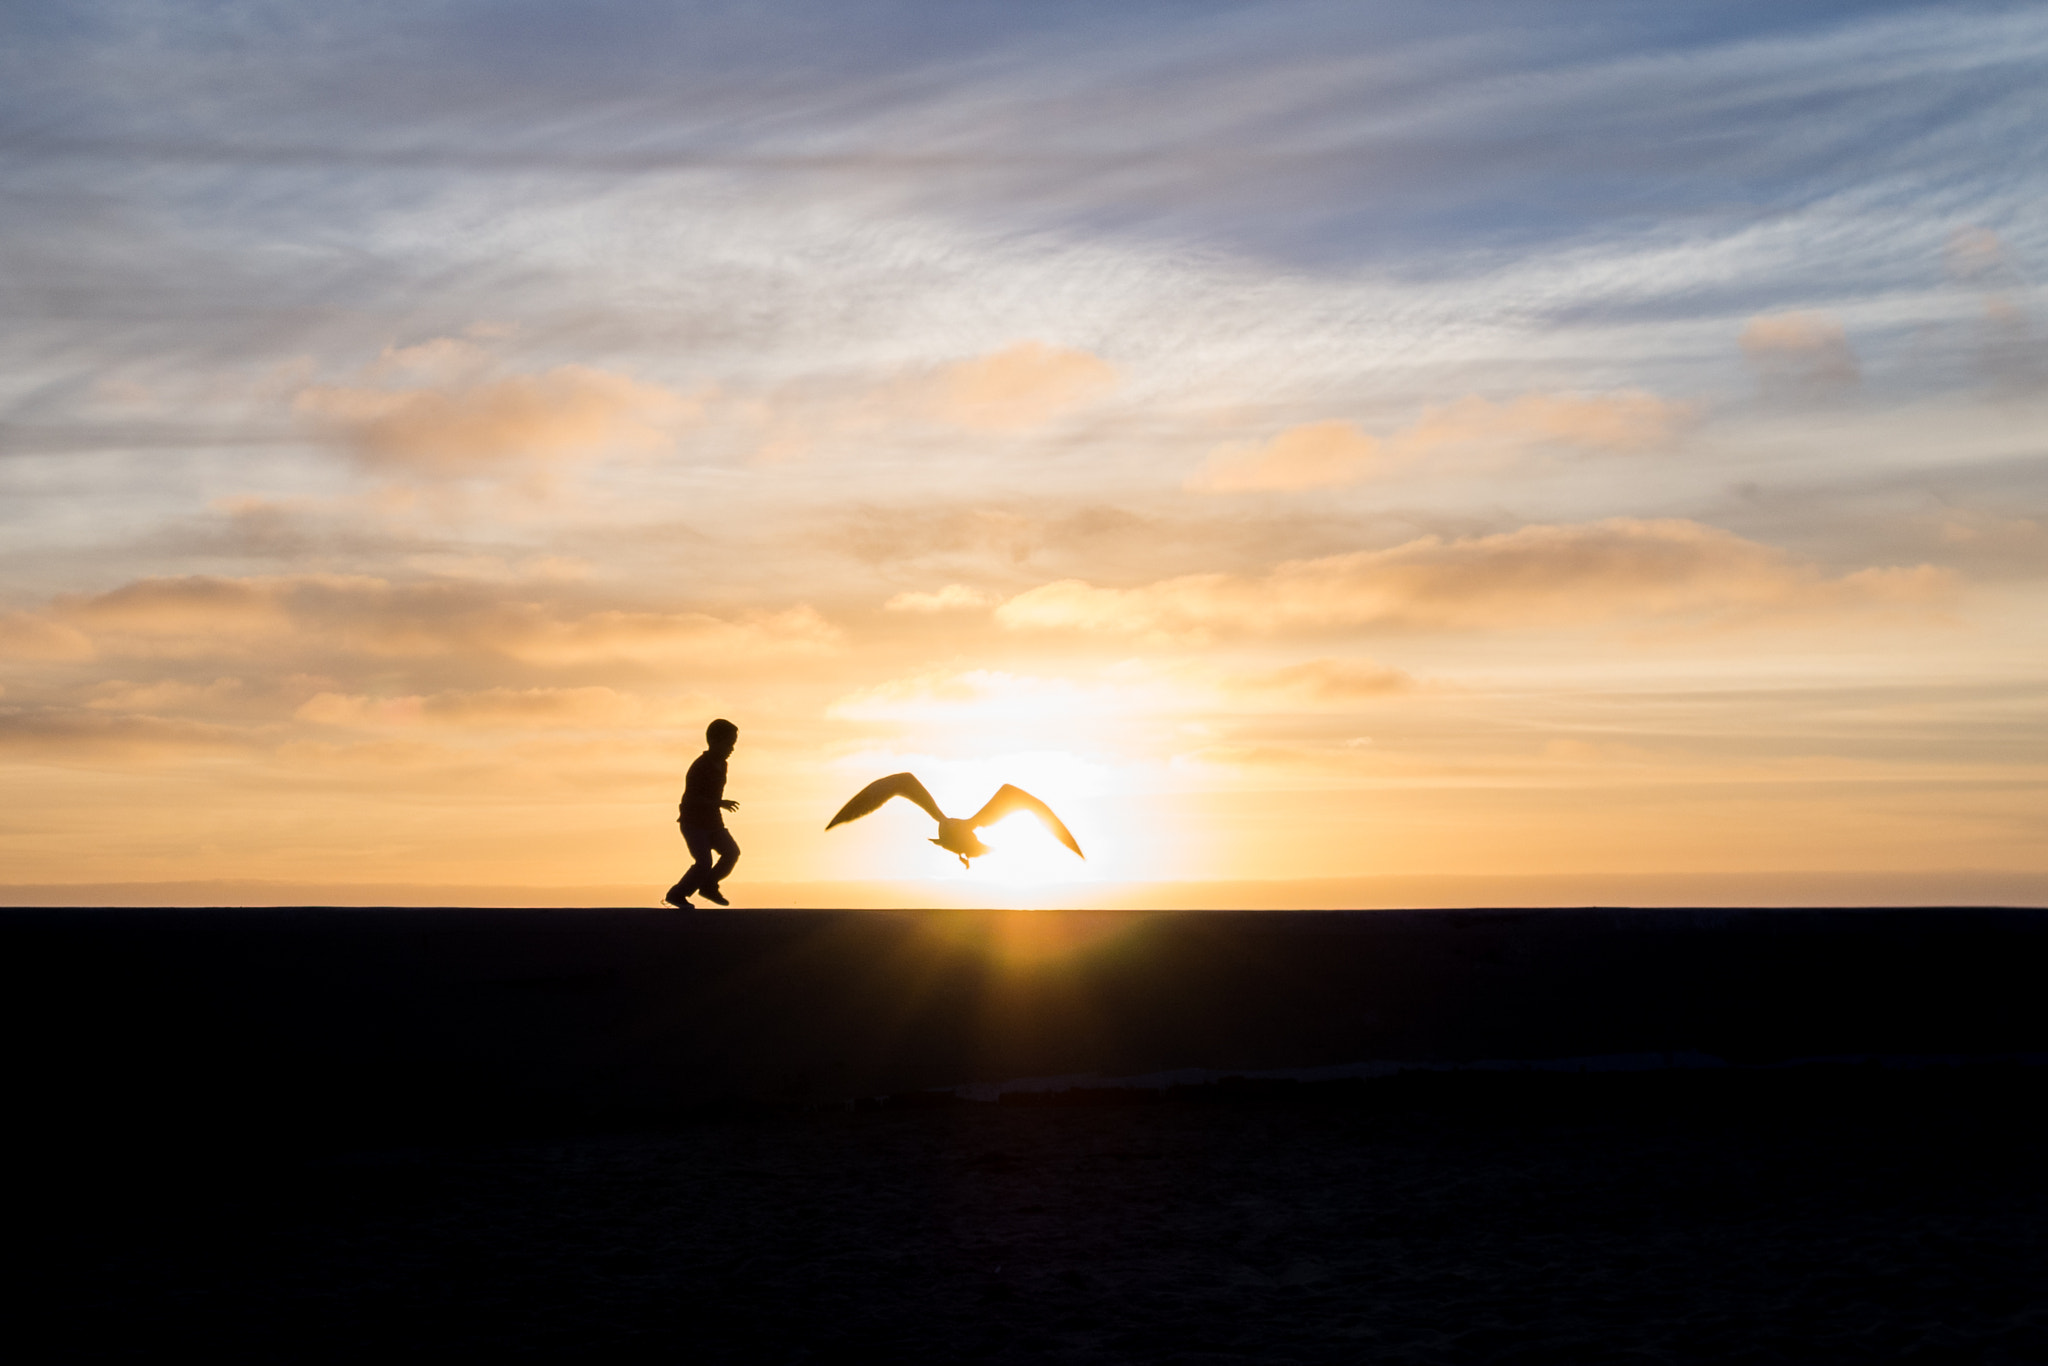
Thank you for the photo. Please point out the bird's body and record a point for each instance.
(956, 836)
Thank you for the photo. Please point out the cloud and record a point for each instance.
(1012, 532)
(165, 696)
(1314, 455)
(372, 756)
(1013, 390)
(201, 614)
(1019, 387)
(25, 635)
(1329, 680)
(530, 634)
(440, 360)
(1800, 353)
(1977, 256)
(1326, 454)
(63, 734)
(981, 697)
(1539, 575)
(466, 429)
(200, 605)
(953, 597)
(1626, 421)
(2007, 350)
(1134, 696)
(592, 708)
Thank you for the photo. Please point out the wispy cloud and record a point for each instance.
(1800, 352)
(953, 597)
(1020, 386)
(570, 412)
(29, 635)
(1330, 680)
(514, 709)
(211, 617)
(68, 735)
(1540, 575)
(1324, 454)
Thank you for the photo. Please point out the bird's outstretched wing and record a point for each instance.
(1010, 799)
(881, 790)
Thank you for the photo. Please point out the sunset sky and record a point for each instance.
(1294, 440)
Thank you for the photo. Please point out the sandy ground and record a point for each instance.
(1906, 1228)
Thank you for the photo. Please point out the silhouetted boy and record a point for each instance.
(702, 817)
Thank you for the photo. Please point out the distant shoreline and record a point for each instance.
(1973, 887)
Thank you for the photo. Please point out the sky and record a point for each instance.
(1295, 440)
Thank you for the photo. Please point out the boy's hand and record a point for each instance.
(729, 805)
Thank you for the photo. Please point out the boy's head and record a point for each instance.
(721, 735)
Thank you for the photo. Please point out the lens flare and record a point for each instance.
(1023, 939)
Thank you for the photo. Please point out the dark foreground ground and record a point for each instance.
(1815, 1214)
(361, 1136)
(309, 1022)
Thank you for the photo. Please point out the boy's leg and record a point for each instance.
(728, 854)
(701, 848)
(728, 850)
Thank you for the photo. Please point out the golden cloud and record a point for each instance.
(197, 604)
(61, 735)
(952, 598)
(201, 614)
(1326, 454)
(1626, 421)
(1315, 455)
(168, 695)
(592, 708)
(25, 635)
(569, 412)
(975, 694)
(373, 756)
(1016, 388)
(878, 535)
(655, 637)
(1330, 680)
(1539, 575)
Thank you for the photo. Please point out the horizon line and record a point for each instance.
(1810, 887)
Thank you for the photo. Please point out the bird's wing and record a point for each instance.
(1010, 799)
(881, 790)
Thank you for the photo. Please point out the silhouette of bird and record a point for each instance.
(956, 836)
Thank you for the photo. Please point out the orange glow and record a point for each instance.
(1020, 939)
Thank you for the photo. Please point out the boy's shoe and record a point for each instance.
(712, 894)
(679, 899)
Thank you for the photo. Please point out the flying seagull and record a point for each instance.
(955, 836)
